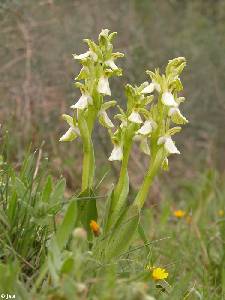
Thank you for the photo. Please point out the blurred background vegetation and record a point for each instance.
(37, 71)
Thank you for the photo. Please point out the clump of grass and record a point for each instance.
(29, 202)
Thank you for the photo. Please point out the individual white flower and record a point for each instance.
(117, 153)
(169, 144)
(157, 86)
(135, 117)
(85, 55)
(143, 140)
(176, 116)
(72, 133)
(168, 99)
(147, 127)
(104, 119)
(148, 89)
(83, 102)
(110, 63)
(82, 56)
(103, 86)
(69, 136)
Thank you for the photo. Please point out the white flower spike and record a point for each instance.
(168, 99)
(168, 144)
(176, 116)
(117, 153)
(148, 89)
(83, 102)
(103, 86)
(135, 117)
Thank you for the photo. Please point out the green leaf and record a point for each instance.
(47, 189)
(107, 209)
(58, 192)
(66, 227)
(87, 209)
(144, 238)
(123, 233)
(67, 266)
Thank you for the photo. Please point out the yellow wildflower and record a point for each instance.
(95, 227)
(179, 213)
(159, 274)
(221, 212)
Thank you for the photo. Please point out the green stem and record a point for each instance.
(88, 152)
(123, 170)
(88, 165)
(152, 171)
(122, 187)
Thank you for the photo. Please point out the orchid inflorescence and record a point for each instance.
(152, 117)
(146, 118)
(98, 65)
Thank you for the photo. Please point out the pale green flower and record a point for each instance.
(147, 127)
(143, 140)
(103, 86)
(156, 86)
(168, 99)
(135, 117)
(148, 89)
(103, 116)
(169, 144)
(85, 55)
(176, 116)
(110, 63)
(83, 102)
(73, 132)
(82, 56)
(117, 153)
(104, 119)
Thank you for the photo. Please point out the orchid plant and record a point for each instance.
(152, 117)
